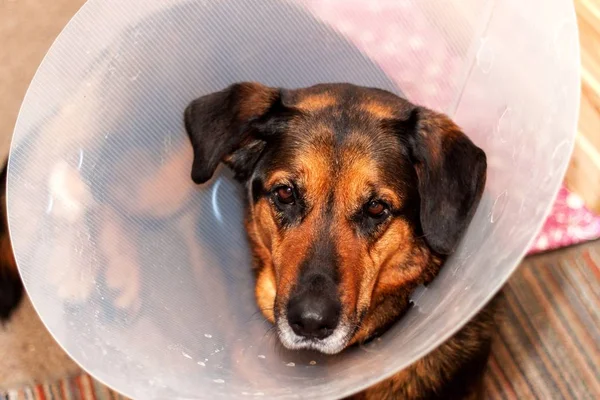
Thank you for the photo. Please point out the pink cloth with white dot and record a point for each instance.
(570, 222)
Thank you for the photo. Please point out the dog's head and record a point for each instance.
(354, 197)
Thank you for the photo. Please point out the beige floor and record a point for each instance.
(27, 29)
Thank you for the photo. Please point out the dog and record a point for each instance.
(354, 197)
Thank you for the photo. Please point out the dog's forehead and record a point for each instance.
(345, 116)
(343, 123)
(380, 104)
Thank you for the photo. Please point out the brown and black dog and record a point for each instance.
(354, 198)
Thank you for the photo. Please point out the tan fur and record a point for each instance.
(278, 178)
(266, 291)
(357, 173)
(378, 109)
(316, 102)
(288, 255)
(6, 254)
(432, 122)
(351, 255)
(256, 99)
(313, 166)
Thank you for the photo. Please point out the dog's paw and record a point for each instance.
(84, 268)
(122, 270)
(71, 259)
(72, 273)
(11, 293)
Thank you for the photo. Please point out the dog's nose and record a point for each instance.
(313, 315)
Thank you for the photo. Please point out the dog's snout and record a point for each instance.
(313, 315)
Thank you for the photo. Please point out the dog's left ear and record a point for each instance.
(232, 126)
(451, 171)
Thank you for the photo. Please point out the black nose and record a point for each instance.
(313, 315)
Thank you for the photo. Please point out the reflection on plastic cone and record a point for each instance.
(215, 204)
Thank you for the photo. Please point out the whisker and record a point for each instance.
(259, 315)
(269, 333)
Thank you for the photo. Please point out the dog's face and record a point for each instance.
(354, 198)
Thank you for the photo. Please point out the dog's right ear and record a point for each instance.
(233, 126)
(451, 171)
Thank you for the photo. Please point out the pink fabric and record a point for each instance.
(569, 223)
(374, 28)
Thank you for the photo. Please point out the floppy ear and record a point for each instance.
(451, 171)
(233, 126)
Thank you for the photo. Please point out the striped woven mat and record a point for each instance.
(547, 347)
(81, 387)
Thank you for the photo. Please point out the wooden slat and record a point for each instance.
(589, 117)
(583, 175)
(588, 10)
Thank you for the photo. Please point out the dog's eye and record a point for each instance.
(285, 195)
(376, 209)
